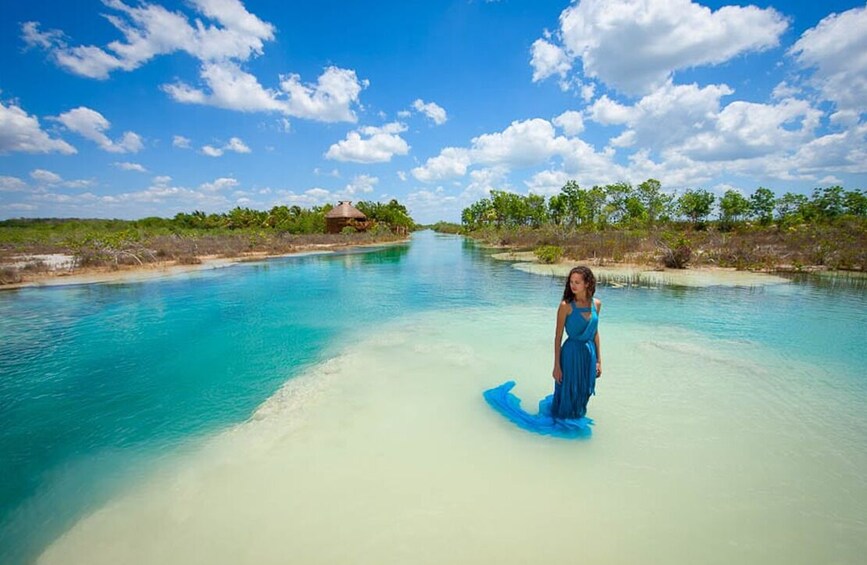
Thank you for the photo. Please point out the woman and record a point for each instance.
(578, 361)
(577, 365)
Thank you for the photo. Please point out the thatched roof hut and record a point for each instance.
(342, 215)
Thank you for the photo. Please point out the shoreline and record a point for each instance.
(634, 274)
(165, 269)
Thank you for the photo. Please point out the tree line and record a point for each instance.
(290, 219)
(646, 205)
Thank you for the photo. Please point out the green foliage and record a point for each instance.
(856, 203)
(677, 250)
(791, 209)
(733, 208)
(394, 214)
(447, 227)
(695, 204)
(549, 254)
(379, 229)
(827, 203)
(658, 206)
(348, 230)
(762, 205)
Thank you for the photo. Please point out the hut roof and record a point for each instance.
(345, 209)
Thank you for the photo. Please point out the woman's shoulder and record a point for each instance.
(598, 303)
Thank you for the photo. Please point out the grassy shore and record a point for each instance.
(40, 256)
(802, 248)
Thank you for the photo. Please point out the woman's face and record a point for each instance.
(576, 283)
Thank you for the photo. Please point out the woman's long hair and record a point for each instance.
(589, 282)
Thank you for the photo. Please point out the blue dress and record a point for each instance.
(563, 413)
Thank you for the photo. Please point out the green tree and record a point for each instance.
(855, 202)
(572, 195)
(623, 205)
(656, 203)
(594, 203)
(557, 209)
(827, 203)
(791, 209)
(695, 204)
(733, 207)
(536, 210)
(478, 214)
(762, 205)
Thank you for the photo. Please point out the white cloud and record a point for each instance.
(92, 125)
(20, 132)
(150, 30)
(329, 100)
(211, 151)
(43, 176)
(608, 112)
(523, 143)
(370, 144)
(230, 87)
(483, 181)
(18, 206)
(572, 123)
(785, 90)
(222, 36)
(12, 184)
(78, 183)
(547, 182)
(234, 144)
(33, 37)
(637, 45)
(361, 184)
(431, 110)
(181, 142)
(667, 116)
(222, 183)
(127, 166)
(746, 130)
(332, 173)
(548, 59)
(451, 162)
(625, 139)
(835, 49)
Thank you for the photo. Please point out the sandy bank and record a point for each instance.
(644, 275)
(62, 274)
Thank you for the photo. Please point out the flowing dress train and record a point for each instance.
(563, 413)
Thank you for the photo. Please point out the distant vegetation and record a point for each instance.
(622, 222)
(188, 236)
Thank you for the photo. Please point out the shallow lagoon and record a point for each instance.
(330, 410)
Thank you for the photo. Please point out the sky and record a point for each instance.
(125, 109)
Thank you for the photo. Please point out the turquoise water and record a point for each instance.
(102, 382)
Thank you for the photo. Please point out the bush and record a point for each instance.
(9, 275)
(379, 229)
(677, 250)
(549, 254)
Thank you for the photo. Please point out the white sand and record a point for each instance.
(644, 276)
(703, 452)
(51, 260)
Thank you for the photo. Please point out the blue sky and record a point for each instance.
(132, 109)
